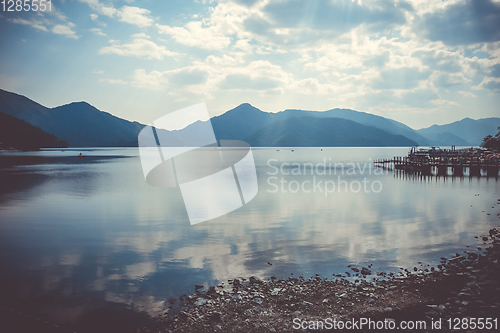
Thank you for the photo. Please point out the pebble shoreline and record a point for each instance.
(464, 286)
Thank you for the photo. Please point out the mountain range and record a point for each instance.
(470, 131)
(82, 125)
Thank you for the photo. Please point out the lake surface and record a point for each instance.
(83, 235)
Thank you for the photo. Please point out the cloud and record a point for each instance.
(202, 79)
(108, 11)
(493, 49)
(449, 80)
(178, 79)
(336, 17)
(94, 17)
(33, 23)
(188, 76)
(495, 70)
(463, 23)
(194, 34)
(443, 102)
(377, 60)
(140, 47)
(100, 8)
(248, 3)
(489, 83)
(401, 78)
(467, 94)
(246, 82)
(140, 35)
(61, 29)
(113, 81)
(258, 75)
(54, 11)
(97, 31)
(135, 15)
(493, 85)
(155, 80)
(442, 60)
(418, 98)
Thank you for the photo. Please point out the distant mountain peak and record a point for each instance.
(79, 105)
(246, 107)
(243, 109)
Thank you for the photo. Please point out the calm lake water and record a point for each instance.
(79, 236)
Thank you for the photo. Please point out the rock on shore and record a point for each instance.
(461, 286)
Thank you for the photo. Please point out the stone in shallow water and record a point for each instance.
(200, 301)
(254, 279)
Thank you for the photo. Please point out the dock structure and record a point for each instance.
(436, 161)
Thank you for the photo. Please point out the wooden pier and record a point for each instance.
(436, 161)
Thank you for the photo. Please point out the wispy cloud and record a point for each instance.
(61, 29)
(139, 47)
(467, 94)
(107, 10)
(155, 80)
(135, 15)
(113, 81)
(443, 102)
(489, 83)
(194, 34)
(33, 23)
(97, 31)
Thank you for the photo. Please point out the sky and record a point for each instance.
(421, 62)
